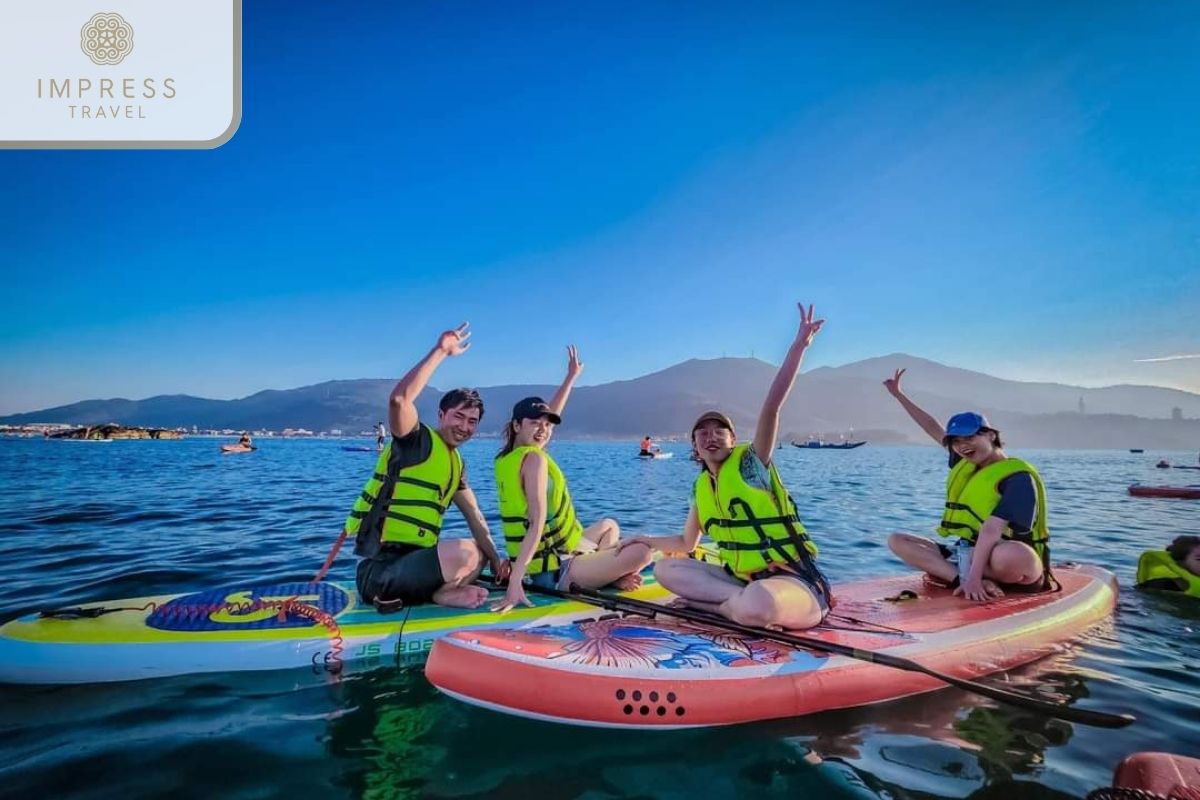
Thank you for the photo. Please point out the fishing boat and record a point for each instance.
(817, 444)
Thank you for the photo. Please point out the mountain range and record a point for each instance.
(831, 401)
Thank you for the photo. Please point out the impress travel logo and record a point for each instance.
(106, 39)
(75, 79)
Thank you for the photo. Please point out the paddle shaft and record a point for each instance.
(1083, 716)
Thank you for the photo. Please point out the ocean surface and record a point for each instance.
(84, 522)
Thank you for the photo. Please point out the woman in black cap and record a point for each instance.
(995, 506)
(544, 537)
(769, 576)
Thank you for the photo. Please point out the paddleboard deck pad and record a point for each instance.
(634, 672)
(323, 627)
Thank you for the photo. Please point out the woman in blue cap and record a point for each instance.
(995, 506)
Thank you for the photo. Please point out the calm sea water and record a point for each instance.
(84, 522)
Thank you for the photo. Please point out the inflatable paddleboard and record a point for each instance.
(1163, 774)
(239, 627)
(361, 449)
(1179, 492)
(631, 672)
(236, 448)
(655, 456)
(1184, 466)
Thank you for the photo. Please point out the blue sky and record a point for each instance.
(1009, 189)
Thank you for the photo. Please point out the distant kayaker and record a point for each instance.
(648, 447)
(546, 541)
(995, 506)
(397, 519)
(769, 576)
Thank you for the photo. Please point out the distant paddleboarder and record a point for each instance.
(648, 447)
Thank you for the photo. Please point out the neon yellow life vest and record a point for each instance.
(1166, 573)
(418, 496)
(972, 495)
(752, 527)
(562, 530)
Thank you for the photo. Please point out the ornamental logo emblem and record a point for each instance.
(106, 38)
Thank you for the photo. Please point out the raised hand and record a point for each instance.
(893, 383)
(574, 365)
(809, 327)
(454, 343)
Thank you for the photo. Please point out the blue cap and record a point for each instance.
(966, 423)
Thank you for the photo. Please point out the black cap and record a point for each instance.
(534, 408)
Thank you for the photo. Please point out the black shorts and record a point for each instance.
(811, 585)
(1007, 588)
(407, 574)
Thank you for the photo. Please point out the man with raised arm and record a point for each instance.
(397, 519)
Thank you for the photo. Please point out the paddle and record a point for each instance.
(631, 605)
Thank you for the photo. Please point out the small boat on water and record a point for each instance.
(1177, 492)
(816, 444)
(1136, 450)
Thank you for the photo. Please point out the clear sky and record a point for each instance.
(1011, 187)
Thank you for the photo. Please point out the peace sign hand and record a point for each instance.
(574, 365)
(809, 327)
(454, 343)
(893, 383)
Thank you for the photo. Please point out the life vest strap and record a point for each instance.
(433, 487)
(772, 542)
(961, 507)
(418, 504)
(802, 562)
(752, 522)
(419, 523)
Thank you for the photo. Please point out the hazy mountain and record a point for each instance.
(827, 400)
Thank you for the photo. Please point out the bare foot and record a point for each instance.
(460, 596)
(627, 583)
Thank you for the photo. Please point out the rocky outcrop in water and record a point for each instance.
(114, 431)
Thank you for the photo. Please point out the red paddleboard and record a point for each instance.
(1175, 777)
(632, 672)
(1181, 492)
